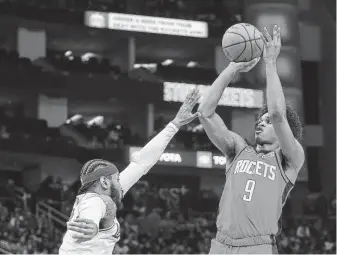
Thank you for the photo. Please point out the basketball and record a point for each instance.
(242, 42)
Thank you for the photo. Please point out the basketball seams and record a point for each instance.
(230, 32)
(258, 45)
(241, 42)
(241, 52)
(251, 44)
(234, 41)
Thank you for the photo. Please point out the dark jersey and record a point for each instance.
(255, 191)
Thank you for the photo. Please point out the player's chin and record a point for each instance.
(259, 138)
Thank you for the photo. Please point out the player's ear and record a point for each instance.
(104, 182)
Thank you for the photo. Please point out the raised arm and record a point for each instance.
(291, 149)
(148, 156)
(228, 142)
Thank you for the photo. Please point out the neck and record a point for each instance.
(266, 147)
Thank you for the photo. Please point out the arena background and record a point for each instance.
(86, 79)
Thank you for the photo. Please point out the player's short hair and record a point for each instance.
(90, 167)
(292, 117)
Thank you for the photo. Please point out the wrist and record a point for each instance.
(232, 68)
(270, 64)
(176, 123)
(270, 61)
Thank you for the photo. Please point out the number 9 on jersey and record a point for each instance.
(249, 189)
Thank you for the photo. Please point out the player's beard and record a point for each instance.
(116, 197)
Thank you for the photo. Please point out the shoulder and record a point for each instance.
(91, 200)
(295, 164)
(239, 144)
(291, 169)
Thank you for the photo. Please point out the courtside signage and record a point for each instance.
(199, 159)
(235, 97)
(146, 24)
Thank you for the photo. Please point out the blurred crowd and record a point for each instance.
(24, 233)
(152, 222)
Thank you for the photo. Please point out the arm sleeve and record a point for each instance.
(147, 157)
(92, 209)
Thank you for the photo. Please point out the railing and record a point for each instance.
(4, 251)
(59, 219)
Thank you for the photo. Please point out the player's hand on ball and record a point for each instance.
(185, 115)
(84, 229)
(243, 67)
(272, 46)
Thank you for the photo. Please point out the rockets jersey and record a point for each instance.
(106, 238)
(255, 191)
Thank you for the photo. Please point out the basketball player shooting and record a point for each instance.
(93, 227)
(258, 179)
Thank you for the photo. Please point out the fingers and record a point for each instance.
(79, 225)
(277, 35)
(192, 98)
(267, 35)
(254, 61)
(84, 220)
(80, 231)
(195, 99)
(192, 117)
(196, 115)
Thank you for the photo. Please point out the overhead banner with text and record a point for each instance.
(146, 24)
(199, 159)
(232, 96)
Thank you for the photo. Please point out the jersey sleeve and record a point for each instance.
(147, 157)
(92, 209)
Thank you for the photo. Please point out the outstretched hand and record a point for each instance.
(185, 115)
(243, 67)
(272, 46)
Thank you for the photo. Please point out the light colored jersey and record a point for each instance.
(255, 191)
(91, 206)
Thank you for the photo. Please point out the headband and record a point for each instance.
(102, 171)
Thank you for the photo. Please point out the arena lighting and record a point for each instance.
(191, 64)
(145, 65)
(98, 120)
(85, 57)
(68, 53)
(74, 118)
(167, 62)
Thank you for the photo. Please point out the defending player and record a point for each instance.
(94, 211)
(258, 179)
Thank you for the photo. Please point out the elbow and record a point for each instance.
(277, 112)
(277, 116)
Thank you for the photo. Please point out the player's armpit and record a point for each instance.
(228, 142)
(291, 149)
